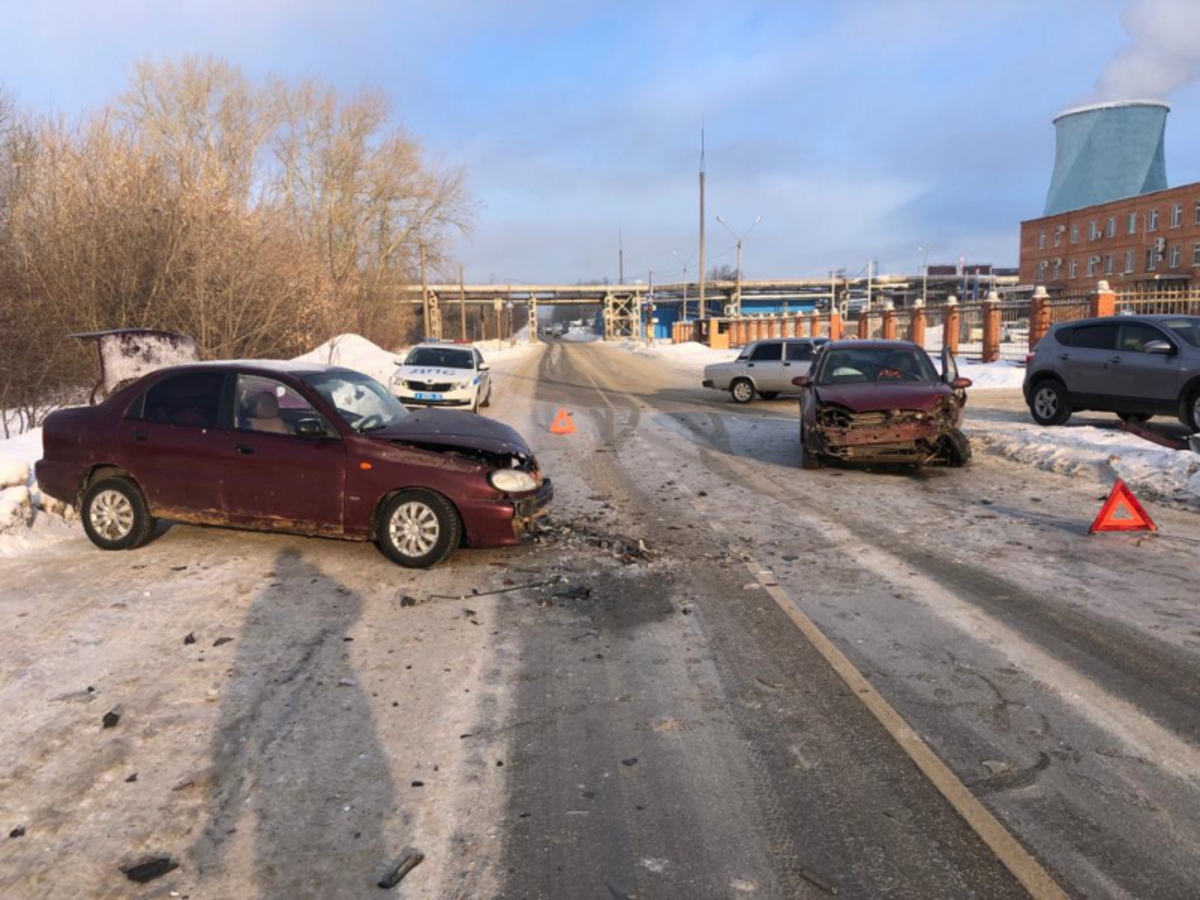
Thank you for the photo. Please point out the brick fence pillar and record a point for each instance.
(991, 328)
(889, 322)
(1104, 301)
(835, 325)
(812, 324)
(789, 327)
(864, 325)
(950, 325)
(1039, 316)
(776, 327)
(916, 323)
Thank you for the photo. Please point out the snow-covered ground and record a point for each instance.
(28, 519)
(356, 352)
(1098, 452)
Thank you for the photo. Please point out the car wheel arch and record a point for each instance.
(99, 472)
(1186, 395)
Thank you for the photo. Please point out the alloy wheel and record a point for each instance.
(1045, 401)
(413, 529)
(111, 515)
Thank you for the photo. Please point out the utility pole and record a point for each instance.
(870, 272)
(620, 255)
(737, 303)
(703, 274)
(924, 274)
(648, 332)
(462, 302)
(424, 292)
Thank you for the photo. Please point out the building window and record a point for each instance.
(1151, 259)
(1073, 269)
(1041, 275)
(1112, 227)
(1176, 215)
(1093, 231)
(1042, 241)
(1197, 212)
(1196, 254)
(1176, 253)
(1074, 234)
(1131, 221)
(1131, 259)
(1058, 267)
(1152, 220)
(1108, 264)
(1061, 228)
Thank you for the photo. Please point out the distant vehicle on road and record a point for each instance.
(882, 402)
(1134, 366)
(293, 447)
(438, 374)
(764, 368)
(556, 329)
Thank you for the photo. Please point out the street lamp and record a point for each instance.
(683, 312)
(925, 274)
(739, 238)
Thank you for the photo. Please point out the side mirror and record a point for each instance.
(800, 381)
(1163, 348)
(961, 384)
(311, 428)
(484, 367)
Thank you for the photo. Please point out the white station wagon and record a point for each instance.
(435, 374)
(765, 368)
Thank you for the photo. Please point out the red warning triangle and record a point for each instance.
(562, 423)
(1122, 512)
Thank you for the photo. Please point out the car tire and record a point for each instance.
(115, 515)
(487, 400)
(1133, 418)
(957, 448)
(418, 528)
(768, 395)
(1191, 412)
(742, 390)
(808, 460)
(1050, 404)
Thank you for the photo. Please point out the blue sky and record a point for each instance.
(856, 128)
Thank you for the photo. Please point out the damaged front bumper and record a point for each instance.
(527, 510)
(891, 436)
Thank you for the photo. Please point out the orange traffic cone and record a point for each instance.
(562, 423)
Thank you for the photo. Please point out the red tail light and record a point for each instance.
(1029, 358)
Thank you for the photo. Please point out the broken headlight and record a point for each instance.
(512, 481)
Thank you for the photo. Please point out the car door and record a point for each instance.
(1144, 380)
(766, 366)
(1083, 365)
(171, 440)
(274, 476)
(797, 360)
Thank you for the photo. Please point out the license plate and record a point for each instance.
(421, 396)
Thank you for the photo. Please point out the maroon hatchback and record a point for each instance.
(294, 447)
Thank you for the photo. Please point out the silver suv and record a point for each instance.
(1134, 366)
(765, 368)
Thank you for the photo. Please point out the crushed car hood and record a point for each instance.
(453, 428)
(862, 398)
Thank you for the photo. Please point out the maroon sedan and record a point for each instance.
(881, 402)
(292, 447)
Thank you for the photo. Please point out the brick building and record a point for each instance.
(1149, 241)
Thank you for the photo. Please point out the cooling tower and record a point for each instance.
(1107, 152)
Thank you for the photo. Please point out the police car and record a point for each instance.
(435, 374)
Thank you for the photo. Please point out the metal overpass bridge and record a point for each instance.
(630, 309)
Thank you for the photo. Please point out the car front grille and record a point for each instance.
(438, 387)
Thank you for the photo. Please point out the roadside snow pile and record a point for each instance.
(1098, 452)
(27, 517)
(355, 352)
(580, 336)
(990, 376)
(688, 355)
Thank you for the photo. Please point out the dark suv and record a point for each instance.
(1134, 366)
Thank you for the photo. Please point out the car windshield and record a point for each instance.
(362, 402)
(1188, 329)
(441, 357)
(870, 365)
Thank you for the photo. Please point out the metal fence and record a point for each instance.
(1180, 303)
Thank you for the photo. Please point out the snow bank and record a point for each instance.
(688, 355)
(1098, 452)
(355, 352)
(28, 518)
(580, 336)
(991, 376)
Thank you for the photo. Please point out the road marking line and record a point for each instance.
(1008, 850)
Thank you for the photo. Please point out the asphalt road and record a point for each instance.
(634, 714)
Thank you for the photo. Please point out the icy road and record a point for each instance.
(713, 676)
